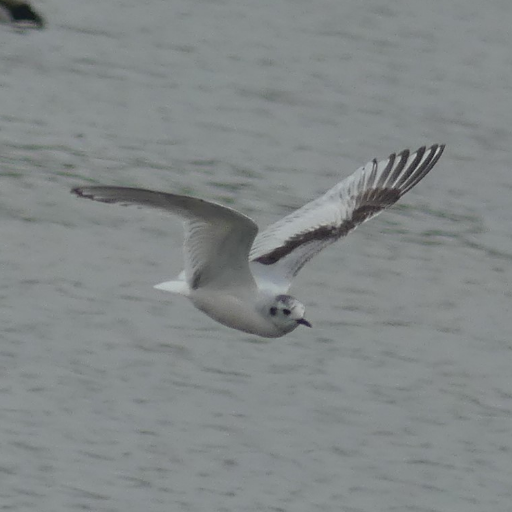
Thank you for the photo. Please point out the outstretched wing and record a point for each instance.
(283, 248)
(217, 239)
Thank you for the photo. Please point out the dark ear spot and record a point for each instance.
(273, 311)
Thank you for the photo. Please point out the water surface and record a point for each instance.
(117, 397)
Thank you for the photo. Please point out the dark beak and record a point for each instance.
(303, 321)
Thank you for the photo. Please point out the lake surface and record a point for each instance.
(117, 397)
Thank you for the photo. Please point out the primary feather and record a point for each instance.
(283, 248)
(217, 239)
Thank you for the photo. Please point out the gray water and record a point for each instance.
(117, 397)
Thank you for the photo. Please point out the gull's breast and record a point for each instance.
(232, 311)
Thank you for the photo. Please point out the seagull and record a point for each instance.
(241, 278)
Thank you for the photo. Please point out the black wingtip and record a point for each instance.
(78, 191)
(437, 147)
(422, 149)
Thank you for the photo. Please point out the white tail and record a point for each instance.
(180, 287)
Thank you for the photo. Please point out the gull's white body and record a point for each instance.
(240, 278)
(236, 308)
(237, 313)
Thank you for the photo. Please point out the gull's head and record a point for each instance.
(286, 313)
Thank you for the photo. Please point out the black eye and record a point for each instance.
(273, 311)
(286, 312)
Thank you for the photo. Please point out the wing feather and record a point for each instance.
(283, 248)
(217, 239)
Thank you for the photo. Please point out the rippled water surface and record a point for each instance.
(117, 397)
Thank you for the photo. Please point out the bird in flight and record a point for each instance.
(241, 278)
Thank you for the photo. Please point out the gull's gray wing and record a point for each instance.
(217, 239)
(283, 248)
